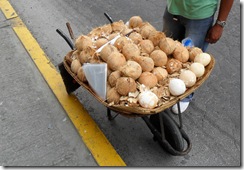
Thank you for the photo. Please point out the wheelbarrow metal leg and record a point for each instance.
(109, 115)
(155, 132)
(179, 114)
(161, 126)
(70, 83)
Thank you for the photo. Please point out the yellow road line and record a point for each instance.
(102, 151)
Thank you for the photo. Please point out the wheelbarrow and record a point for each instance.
(166, 130)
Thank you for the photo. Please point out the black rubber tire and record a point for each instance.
(171, 131)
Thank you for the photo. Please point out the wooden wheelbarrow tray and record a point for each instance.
(168, 132)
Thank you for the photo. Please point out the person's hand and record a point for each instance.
(214, 34)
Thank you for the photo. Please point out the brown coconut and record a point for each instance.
(146, 29)
(116, 60)
(131, 69)
(81, 75)
(130, 50)
(181, 53)
(148, 79)
(167, 45)
(96, 32)
(106, 29)
(125, 85)
(146, 63)
(156, 37)
(121, 42)
(135, 21)
(127, 31)
(159, 57)
(113, 96)
(135, 37)
(108, 87)
(70, 56)
(95, 59)
(82, 42)
(100, 42)
(86, 54)
(75, 54)
(109, 71)
(112, 36)
(193, 52)
(75, 65)
(118, 26)
(112, 79)
(146, 46)
(106, 51)
(160, 73)
(173, 66)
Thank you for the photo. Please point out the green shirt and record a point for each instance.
(192, 9)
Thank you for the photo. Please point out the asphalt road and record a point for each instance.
(213, 120)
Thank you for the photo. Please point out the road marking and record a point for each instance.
(101, 149)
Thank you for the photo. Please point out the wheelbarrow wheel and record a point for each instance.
(171, 131)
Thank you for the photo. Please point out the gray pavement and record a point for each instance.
(34, 129)
(34, 117)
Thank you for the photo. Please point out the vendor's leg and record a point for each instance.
(197, 31)
(172, 27)
(184, 103)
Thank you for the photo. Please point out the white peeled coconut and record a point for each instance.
(188, 77)
(176, 87)
(203, 58)
(148, 99)
(198, 69)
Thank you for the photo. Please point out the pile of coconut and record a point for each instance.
(144, 67)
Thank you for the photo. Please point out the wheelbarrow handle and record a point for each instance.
(108, 17)
(70, 31)
(70, 43)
